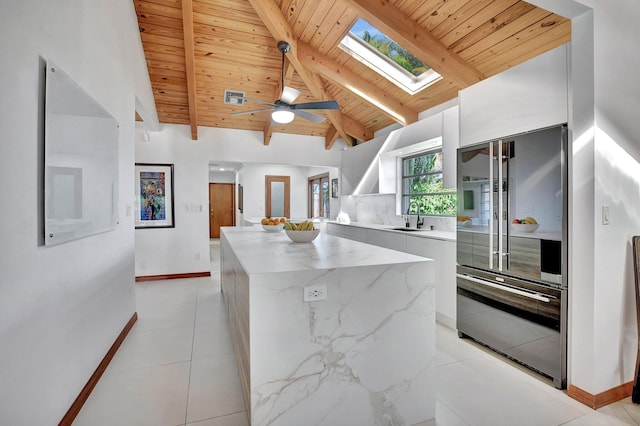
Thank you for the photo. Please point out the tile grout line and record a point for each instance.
(193, 339)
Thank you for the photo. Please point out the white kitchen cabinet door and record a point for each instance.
(532, 95)
(444, 254)
(355, 233)
(390, 240)
(335, 229)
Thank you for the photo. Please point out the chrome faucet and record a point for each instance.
(419, 222)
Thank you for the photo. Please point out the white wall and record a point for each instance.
(61, 307)
(252, 177)
(185, 248)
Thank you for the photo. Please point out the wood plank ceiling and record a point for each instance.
(196, 49)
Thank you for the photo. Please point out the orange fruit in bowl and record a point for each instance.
(283, 220)
(264, 221)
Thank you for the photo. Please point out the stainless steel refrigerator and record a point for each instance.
(512, 250)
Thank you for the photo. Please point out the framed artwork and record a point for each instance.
(240, 197)
(334, 188)
(154, 198)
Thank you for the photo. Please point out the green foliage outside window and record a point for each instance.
(422, 187)
(396, 53)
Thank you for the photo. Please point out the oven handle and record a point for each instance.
(535, 296)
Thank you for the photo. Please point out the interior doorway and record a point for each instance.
(277, 196)
(221, 207)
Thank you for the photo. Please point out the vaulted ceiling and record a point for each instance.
(197, 49)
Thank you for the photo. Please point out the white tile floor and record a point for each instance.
(176, 367)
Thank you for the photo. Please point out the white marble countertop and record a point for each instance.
(268, 252)
(423, 233)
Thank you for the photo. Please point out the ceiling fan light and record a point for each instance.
(282, 116)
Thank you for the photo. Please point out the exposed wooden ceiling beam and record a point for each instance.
(279, 27)
(190, 66)
(268, 130)
(330, 138)
(351, 81)
(356, 130)
(408, 33)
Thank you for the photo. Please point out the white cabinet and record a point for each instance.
(386, 239)
(444, 254)
(442, 251)
(532, 95)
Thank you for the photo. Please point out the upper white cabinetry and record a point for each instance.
(532, 95)
(370, 168)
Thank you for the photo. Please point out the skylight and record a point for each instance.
(379, 52)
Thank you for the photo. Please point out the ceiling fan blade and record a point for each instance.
(251, 112)
(289, 94)
(317, 105)
(258, 101)
(309, 116)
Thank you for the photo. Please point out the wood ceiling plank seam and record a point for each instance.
(154, 30)
(467, 19)
(504, 23)
(356, 85)
(161, 57)
(408, 7)
(176, 4)
(517, 27)
(164, 49)
(425, 10)
(159, 21)
(145, 7)
(169, 87)
(163, 72)
(222, 6)
(154, 63)
(416, 39)
(302, 20)
(316, 20)
(545, 39)
(261, 37)
(281, 30)
(161, 40)
(215, 22)
(220, 10)
(444, 12)
(334, 36)
(190, 67)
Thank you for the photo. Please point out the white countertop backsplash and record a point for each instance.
(380, 209)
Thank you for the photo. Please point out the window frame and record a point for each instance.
(386, 67)
(325, 205)
(405, 197)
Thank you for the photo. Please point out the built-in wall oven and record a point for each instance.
(511, 280)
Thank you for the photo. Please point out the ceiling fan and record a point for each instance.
(283, 110)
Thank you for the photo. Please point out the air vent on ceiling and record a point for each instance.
(233, 97)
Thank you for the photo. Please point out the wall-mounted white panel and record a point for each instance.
(530, 96)
(81, 162)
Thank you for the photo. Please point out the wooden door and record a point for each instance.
(221, 207)
(277, 196)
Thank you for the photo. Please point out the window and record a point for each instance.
(380, 53)
(422, 187)
(319, 196)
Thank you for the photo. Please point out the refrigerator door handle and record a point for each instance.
(536, 296)
(491, 206)
(500, 200)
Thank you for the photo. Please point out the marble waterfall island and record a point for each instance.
(363, 356)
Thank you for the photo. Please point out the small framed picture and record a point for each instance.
(334, 188)
(154, 198)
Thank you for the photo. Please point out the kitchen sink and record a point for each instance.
(407, 229)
